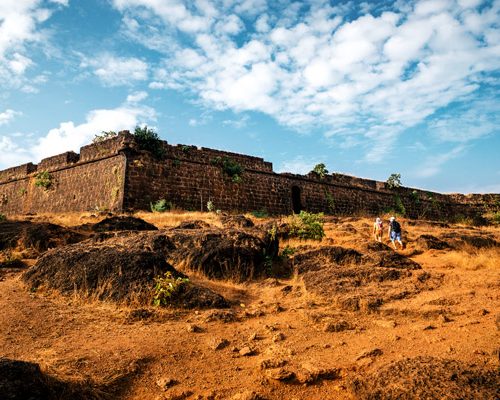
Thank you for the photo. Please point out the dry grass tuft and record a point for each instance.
(172, 219)
(473, 259)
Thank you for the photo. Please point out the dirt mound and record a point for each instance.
(428, 242)
(236, 221)
(314, 260)
(122, 224)
(112, 272)
(35, 238)
(428, 378)
(458, 241)
(357, 281)
(21, 380)
(233, 254)
(196, 224)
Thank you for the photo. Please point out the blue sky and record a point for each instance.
(368, 88)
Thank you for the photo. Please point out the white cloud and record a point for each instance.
(137, 97)
(20, 22)
(372, 76)
(298, 165)
(432, 165)
(7, 116)
(238, 123)
(70, 136)
(117, 71)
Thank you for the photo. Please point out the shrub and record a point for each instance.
(320, 170)
(3, 217)
(400, 207)
(210, 206)
(287, 252)
(260, 214)
(166, 288)
(394, 181)
(104, 135)
(230, 167)
(43, 179)
(147, 139)
(161, 205)
(306, 226)
(330, 201)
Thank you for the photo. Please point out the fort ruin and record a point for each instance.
(118, 176)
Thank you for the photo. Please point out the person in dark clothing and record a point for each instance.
(395, 233)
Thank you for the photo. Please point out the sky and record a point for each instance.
(369, 88)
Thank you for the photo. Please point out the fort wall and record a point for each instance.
(116, 175)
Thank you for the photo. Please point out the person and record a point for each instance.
(395, 232)
(378, 229)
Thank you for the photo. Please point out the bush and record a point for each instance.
(161, 205)
(147, 139)
(3, 217)
(306, 226)
(320, 170)
(166, 288)
(260, 214)
(210, 206)
(104, 135)
(394, 181)
(43, 179)
(230, 167)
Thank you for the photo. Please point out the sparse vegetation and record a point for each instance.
(400, 207)
(230, 167)
(104, 135)
(166, 288)
(161, 205)
(3, 217)
(22, 192)
(148, 140)
(330, 202)
(210, 206)
(394, 181)
(306, 226)
(320, 170)
(260, 213)
(44, 180)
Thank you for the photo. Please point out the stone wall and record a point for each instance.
(116, 175)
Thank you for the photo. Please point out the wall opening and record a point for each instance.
(296, 204)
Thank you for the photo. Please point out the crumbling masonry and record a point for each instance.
(116, 175)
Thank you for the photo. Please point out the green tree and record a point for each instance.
(394, 181)
(148, 140)
(320, 170)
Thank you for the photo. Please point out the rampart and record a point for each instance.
(117, 175)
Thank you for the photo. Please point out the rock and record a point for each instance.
(194, 328)
(338, 326)
(123, 224)
(254, 336)
(279, 374)
(220, 315)
(219, 343)
(497, 322)
(179, 396)
(310, 373)
(247, 395)
(429, 328)
(443, 318)
(370, 353)
(246, 351)
(278, 337)
(165, 383)
(273, 363)
(385, 323)
(236, 221)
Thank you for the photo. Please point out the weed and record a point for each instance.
(230, 167)
(22, 192)
(414, 197)
(400, 207)
(114, 193)
(272, 232)
(320, 170)
(394, 181)
(260, 214)
(161, 205)
(306, 225)
(176, 162)
(166, 288)
(186, 149)
(3, 217)
(147, 139)
(330, 202)
(287, 252)
(104, 135)
(43, 179)
(210, 206)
